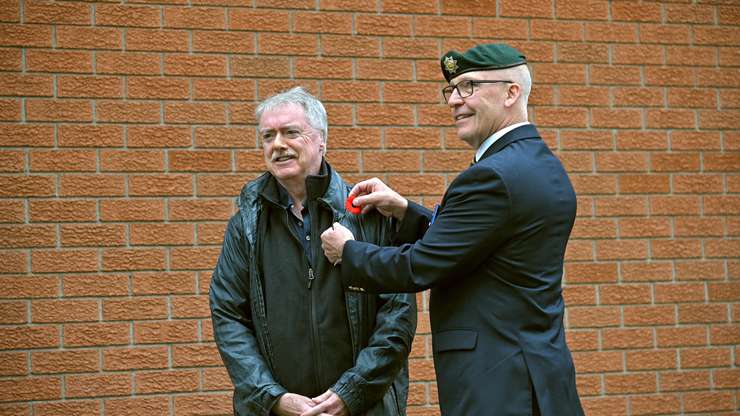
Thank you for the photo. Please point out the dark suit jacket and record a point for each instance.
(494, 260)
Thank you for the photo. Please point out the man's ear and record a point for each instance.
(512, 94)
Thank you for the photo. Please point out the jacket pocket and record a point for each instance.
(454, 339)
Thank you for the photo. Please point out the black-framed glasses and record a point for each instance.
(466, 88)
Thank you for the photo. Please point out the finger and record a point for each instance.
(316, 410)
(322, 397)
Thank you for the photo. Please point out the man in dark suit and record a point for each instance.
(492, 252)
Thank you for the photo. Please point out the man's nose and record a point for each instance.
(455, 98)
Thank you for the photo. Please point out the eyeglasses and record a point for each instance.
(466, 88)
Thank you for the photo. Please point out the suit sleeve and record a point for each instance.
(471, 224)
(256, 391)
(414, 224)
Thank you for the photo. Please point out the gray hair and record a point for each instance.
(312, 107)
(521, 75)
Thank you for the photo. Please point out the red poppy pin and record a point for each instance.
(349, 204)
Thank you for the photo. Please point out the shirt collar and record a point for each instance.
(495, 136)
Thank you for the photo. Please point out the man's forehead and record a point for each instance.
(474, 75)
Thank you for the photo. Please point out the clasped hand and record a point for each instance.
(328, 404)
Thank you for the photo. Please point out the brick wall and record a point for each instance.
(126, 131)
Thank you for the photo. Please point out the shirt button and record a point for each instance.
(308, 237)
(300, 223)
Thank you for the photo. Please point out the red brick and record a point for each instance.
(127, 112)
(724, 334)
(156, 40)
(25, 36)
(133, 259)
(223, 185)
(259, 20)
(697, 183)
(12, 211)
(62, 160)
(30, 389)
(160, 185)
(194, 258)
(702, 313)
(58, 261)
(127, 63)
(288, 44)
(13, 313)
(74, 37)
(71, 361)
(10, 59)
(96, 334)
(157, 87)
(92, 185)
(426, 184)
(649, 315)
(203, 210)
(161, 234)
(166, 381)
(96, 285)
(191, 307)
(98, 385)
(32, 236)
(679, 292)
(62, 210)
(14, 262)
(29, 337)
(684, 380)
(10, 110)
(651, 360)
(166, 332)
(159, 136)
(590, 272)
(222, 137)
(217, 41)
(671, 249)
(705, 357)
(638, 96)
(67, 407)
(630, 383)
(195, 113)
(627, 338)
(58, 110)
(133, 406)
(313, 22)
(593, 317)
(624, 294)
(136, 358)
(213, 89)
(203, 403)
(195, 355)
(130, 309)
(605, 406)
(199, 161)
(28, 287)
(58, 61)
(163, 283)
(26, 85)
(127, 15)
(72, 135)
(655, 404)
(718, 205)
(350, 46)
(211, 233)
(216, 379)
(621, 249)
(13, 364)
(10, 11)
(700, 270)
(131, 161)
(708, 401)
(63, 310)
(598, 361)
(194, 18)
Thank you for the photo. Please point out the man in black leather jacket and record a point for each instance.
(293, 340)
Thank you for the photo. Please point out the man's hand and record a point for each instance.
(373, 193)
(291, 404)
(332, 241)
(328, 403)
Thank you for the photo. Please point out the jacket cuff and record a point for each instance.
(349, 389)
(267, 398)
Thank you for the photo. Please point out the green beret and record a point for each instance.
(479, 58)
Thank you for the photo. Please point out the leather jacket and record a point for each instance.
(381, 326)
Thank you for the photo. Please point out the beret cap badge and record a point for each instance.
(450, 64)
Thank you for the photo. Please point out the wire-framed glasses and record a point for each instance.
(466, 88)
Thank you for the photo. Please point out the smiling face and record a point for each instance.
(292, 148)
(484, 112)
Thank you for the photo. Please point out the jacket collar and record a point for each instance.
(334, 191)
(527, 131)
(316, 186)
